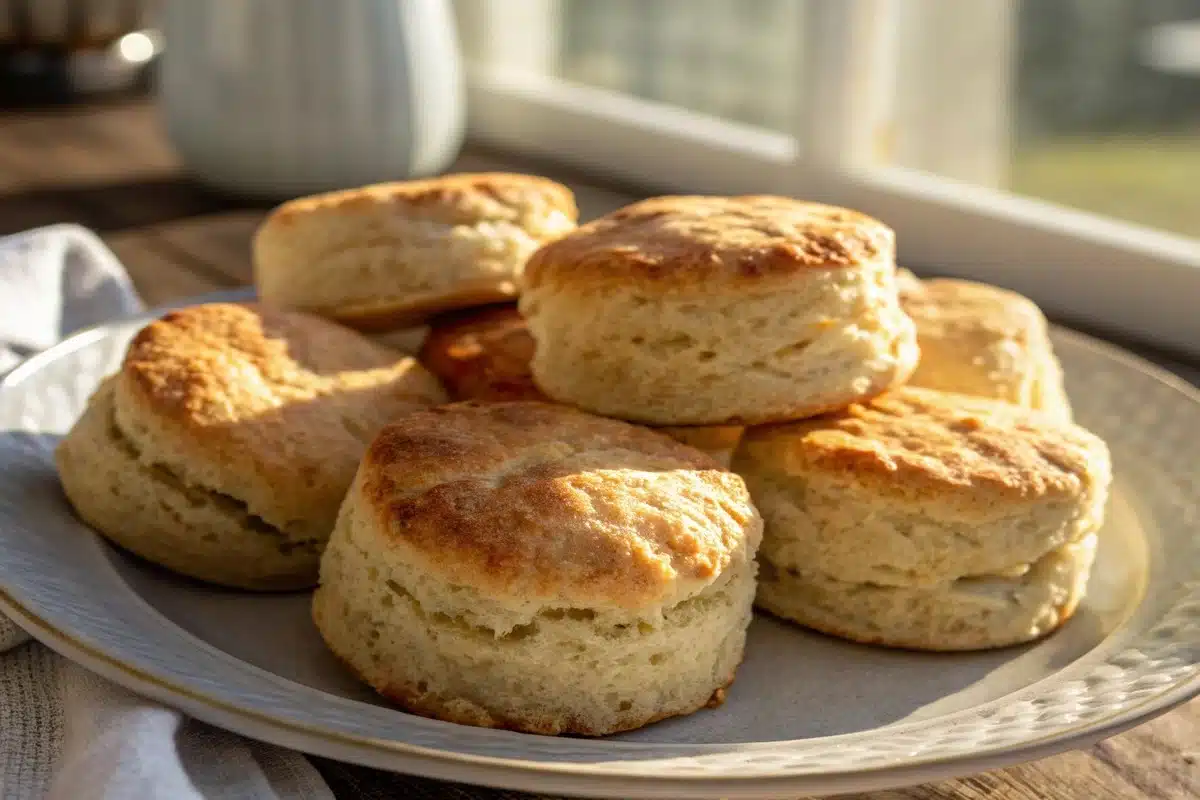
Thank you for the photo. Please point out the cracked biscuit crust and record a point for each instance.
(272, 407)
(536, 500)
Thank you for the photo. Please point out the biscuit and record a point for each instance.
(224, 445)
(484, 354)
(718, 311)
(981, 340)
(902, 501)
(532, 567)
(389, 256)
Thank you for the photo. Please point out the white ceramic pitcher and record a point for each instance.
(288, 97)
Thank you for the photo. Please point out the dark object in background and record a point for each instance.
(58, 51)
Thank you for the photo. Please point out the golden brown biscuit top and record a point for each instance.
(698, 240)
(482, 354)
(537, 501)
(926, 446)
(462, 199)
(261, 404)
(220, 363)
(948, 308)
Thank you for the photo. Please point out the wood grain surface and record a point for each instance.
(108, 167)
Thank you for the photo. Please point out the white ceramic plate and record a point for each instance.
(808, 714)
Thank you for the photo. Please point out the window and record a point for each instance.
(666, 51)
(950, 120)
(1107, 108)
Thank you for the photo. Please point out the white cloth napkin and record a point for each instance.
(65, 733)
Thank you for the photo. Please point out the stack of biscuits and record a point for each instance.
(610, 442)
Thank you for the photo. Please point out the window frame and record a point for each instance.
(1129, 280)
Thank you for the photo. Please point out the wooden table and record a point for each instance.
(109, 167)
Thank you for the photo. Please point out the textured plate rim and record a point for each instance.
(507, 771)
